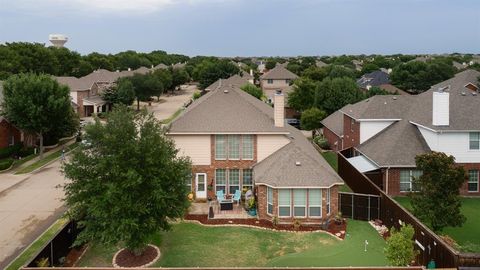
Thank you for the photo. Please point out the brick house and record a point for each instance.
(387, 132)
(277, 79)
(237, 142)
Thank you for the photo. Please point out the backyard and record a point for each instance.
(192, 245)
(467, 236)
(332, 159)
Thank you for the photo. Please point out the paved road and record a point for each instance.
(27, 208)
(171, 103)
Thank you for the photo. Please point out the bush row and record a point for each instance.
(15, 150)
(5, 163)
(322, 142)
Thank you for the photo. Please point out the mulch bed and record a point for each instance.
(125, 258)
(332, 227)
(73, 256)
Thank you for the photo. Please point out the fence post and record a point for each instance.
(353, 216)
(368, 208)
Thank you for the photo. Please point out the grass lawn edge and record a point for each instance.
(46, 160)
(30, 251)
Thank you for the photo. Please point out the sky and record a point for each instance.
(248, 27)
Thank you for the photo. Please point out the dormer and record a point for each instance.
(472, 87)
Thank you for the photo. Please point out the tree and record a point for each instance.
(417, 76)
(368, 68)
(146, 86)
(210, 70)
(302, 96)
(179, 77)
(375, 90)
(270, 64)
(333, 94)
(400, 249)
(253, 90)
(310, 119)
(121, 93)
(127, 182)
(36, 103)
(437, 201)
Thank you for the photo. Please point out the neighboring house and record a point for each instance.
(237, 142)
(248, 76)
(381, 79)
(320, 63)
(459, 66)
(235, 80)
(277, 79)
(358, 64)
(387, 132)
(86, 91)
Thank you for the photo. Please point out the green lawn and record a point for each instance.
(173, 116)
(30, 168)
(191, 245)
(28, 253)
(467, 236)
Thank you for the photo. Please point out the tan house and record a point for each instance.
(237, 142)
(276, 79)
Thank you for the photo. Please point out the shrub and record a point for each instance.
(26, 151)
(50, 140)
(322, 142)
(10, 150)
(400, 249)
(5, 163)
(196, 95)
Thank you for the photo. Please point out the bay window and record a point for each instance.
(284, 202)
(315, 202)
(233, 180)
(220, 180)
(328, 201)
(270, 200)
(247, 181)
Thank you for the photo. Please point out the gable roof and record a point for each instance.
(236, 112)
(235, 80)
(390, 88)
(397, 145)
(334, 122)
(375, 78)
(279, 73)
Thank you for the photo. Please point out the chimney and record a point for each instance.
(251, 72)
(441, 108)
(279, 109)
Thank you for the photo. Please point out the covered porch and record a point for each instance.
(202, 208)
(94, 105)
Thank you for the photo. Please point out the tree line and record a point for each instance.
(23, 57)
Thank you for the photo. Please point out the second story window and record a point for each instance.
(234, 147)
(287, 81)
(270, 81)
(474, 140)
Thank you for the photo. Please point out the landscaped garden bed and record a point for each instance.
(192, 245)
(466, 237)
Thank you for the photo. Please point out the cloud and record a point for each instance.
(108, 6)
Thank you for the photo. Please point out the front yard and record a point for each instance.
(191, 245)
(467, 236)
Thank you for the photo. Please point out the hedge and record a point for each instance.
(10, 151)
(5, 163)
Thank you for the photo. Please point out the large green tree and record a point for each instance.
(122, 92)
(437, 201)
(310, 119)
(303, 94)
(253, 90)
(333, 94)
(146, 86)
(210, 70)
(179, 76)
(127, 182)
(400, 249)
(36, 104)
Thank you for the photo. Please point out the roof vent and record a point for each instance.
(394, 98)
(444, 89)
(225, 91)
(297, 163)
(474, 93)
(464, 94)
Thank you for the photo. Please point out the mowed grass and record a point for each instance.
(48, 157)
(192, 245)
(467, 236)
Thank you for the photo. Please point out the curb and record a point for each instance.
(48, 163)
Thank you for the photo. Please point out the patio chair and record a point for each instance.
(237, 196)
(220, 196)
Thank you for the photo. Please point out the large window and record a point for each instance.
(284, 202)
(315, 202)
(474, 140)
(247, 179)
(220, 180)
(270, 200)
(233, 180)
(473, 181)
(300, 202)
(220, 152)
(247, 147)
(328, 201)
(188, 182)
(406, 177)
(234, 147)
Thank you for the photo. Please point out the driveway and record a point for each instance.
(169, 104)
(29, 204)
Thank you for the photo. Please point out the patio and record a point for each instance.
(201, 208)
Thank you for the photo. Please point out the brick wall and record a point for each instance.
(262, 205)
(351, 132)
(7, 130)
(334, 141)
(80, 96)
(222, 164)
(394, 181)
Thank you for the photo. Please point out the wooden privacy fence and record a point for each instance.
(359, 206)
(233, 268)
(429, 245)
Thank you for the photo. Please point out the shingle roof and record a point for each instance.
(375, 78)
(393, 89)
(236, 80)
(397, 145)
(238, 112)
(334, 122)
(279, 73)
(379, 107)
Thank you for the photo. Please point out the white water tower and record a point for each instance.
(58, 40)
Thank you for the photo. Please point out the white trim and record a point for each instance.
(377, 120)
(445, 131)
(205, 185)
(270, 214)
(367, 157)
(228, 133)
(298, 187)
(478, 181)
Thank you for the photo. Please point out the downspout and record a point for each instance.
(386, 181)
